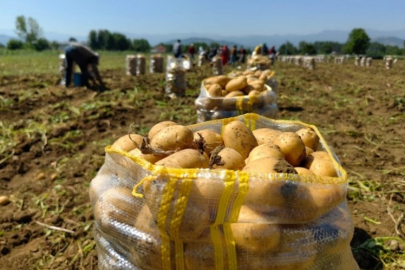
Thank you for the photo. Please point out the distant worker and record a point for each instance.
(191, 52)
(242, 55)
(177, 49)
(87, 60)
(265, 50)
(272, 55)
(225, 55)
(234, 55)
(213, 52)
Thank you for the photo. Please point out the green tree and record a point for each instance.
(376, 50)
(358, 42)
(327, 47)
(287, 49)
(41, 44)
(15, 44)
(306, 48)
(103, 38)
(93, 40)
(142, 45)
(27, 29)
(121, 42)
(72, 39)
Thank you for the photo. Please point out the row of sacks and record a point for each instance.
(237, 93)
(136, 64)
(187, 214)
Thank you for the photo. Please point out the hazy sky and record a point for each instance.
(224, 18)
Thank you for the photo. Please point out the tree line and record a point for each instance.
(358, 42)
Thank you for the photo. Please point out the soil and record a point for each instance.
(60, 134)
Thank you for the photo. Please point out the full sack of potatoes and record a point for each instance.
(176, 69)
(225, 96)
(259, 61)
(245, 192)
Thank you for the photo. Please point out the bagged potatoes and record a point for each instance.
(227, 96)
(222, 197)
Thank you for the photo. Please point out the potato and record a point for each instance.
(215, 90)
(174, 137)
(269, 165)
(234, 94)
(186, 159)
(292, 147)
(229, 159)
(309, 137)
(308, 150)
(320, 163)
(211, 138)
(258, 73)
(254, 93)
(99, 184)
(116, 204)
(197, 214)
(238, 136)
(268, 150)
(257, 85)
(236, 84)
(128, 142)
(148, 157)
(222, 80)
(145, 222)
(251, 235)
(263, 77)
(224, 93)
(266, 135)
(201, 256)
(158, 127)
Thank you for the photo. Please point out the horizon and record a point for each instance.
(213, 18)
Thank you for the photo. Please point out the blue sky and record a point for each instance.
(225, 18)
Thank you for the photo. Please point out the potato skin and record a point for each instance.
(186, 159)
(125, 143)
(215, 90)
(173, 137)
(252, 235)
(236, 84)
(212, 139)
(268, 150)
(148, 157)
(233, 94)
(292, 147)
(238, 136)
(158, 127)
(269, 165)
(266, 135)
(320, 163)
(230, 159)
(222, 80)
(309, 137)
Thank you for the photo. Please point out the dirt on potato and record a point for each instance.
(53, 141)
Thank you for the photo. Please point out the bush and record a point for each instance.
(15, 44)
(41, 44)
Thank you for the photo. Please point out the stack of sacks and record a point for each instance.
(131, 65)
(140, 65)
(156, 64)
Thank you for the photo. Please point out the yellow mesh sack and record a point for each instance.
(152, 217)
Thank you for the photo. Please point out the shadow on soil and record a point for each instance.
(365, 250)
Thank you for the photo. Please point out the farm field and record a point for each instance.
(52, 143)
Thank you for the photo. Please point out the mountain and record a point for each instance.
(393, 41)
(188, 41)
